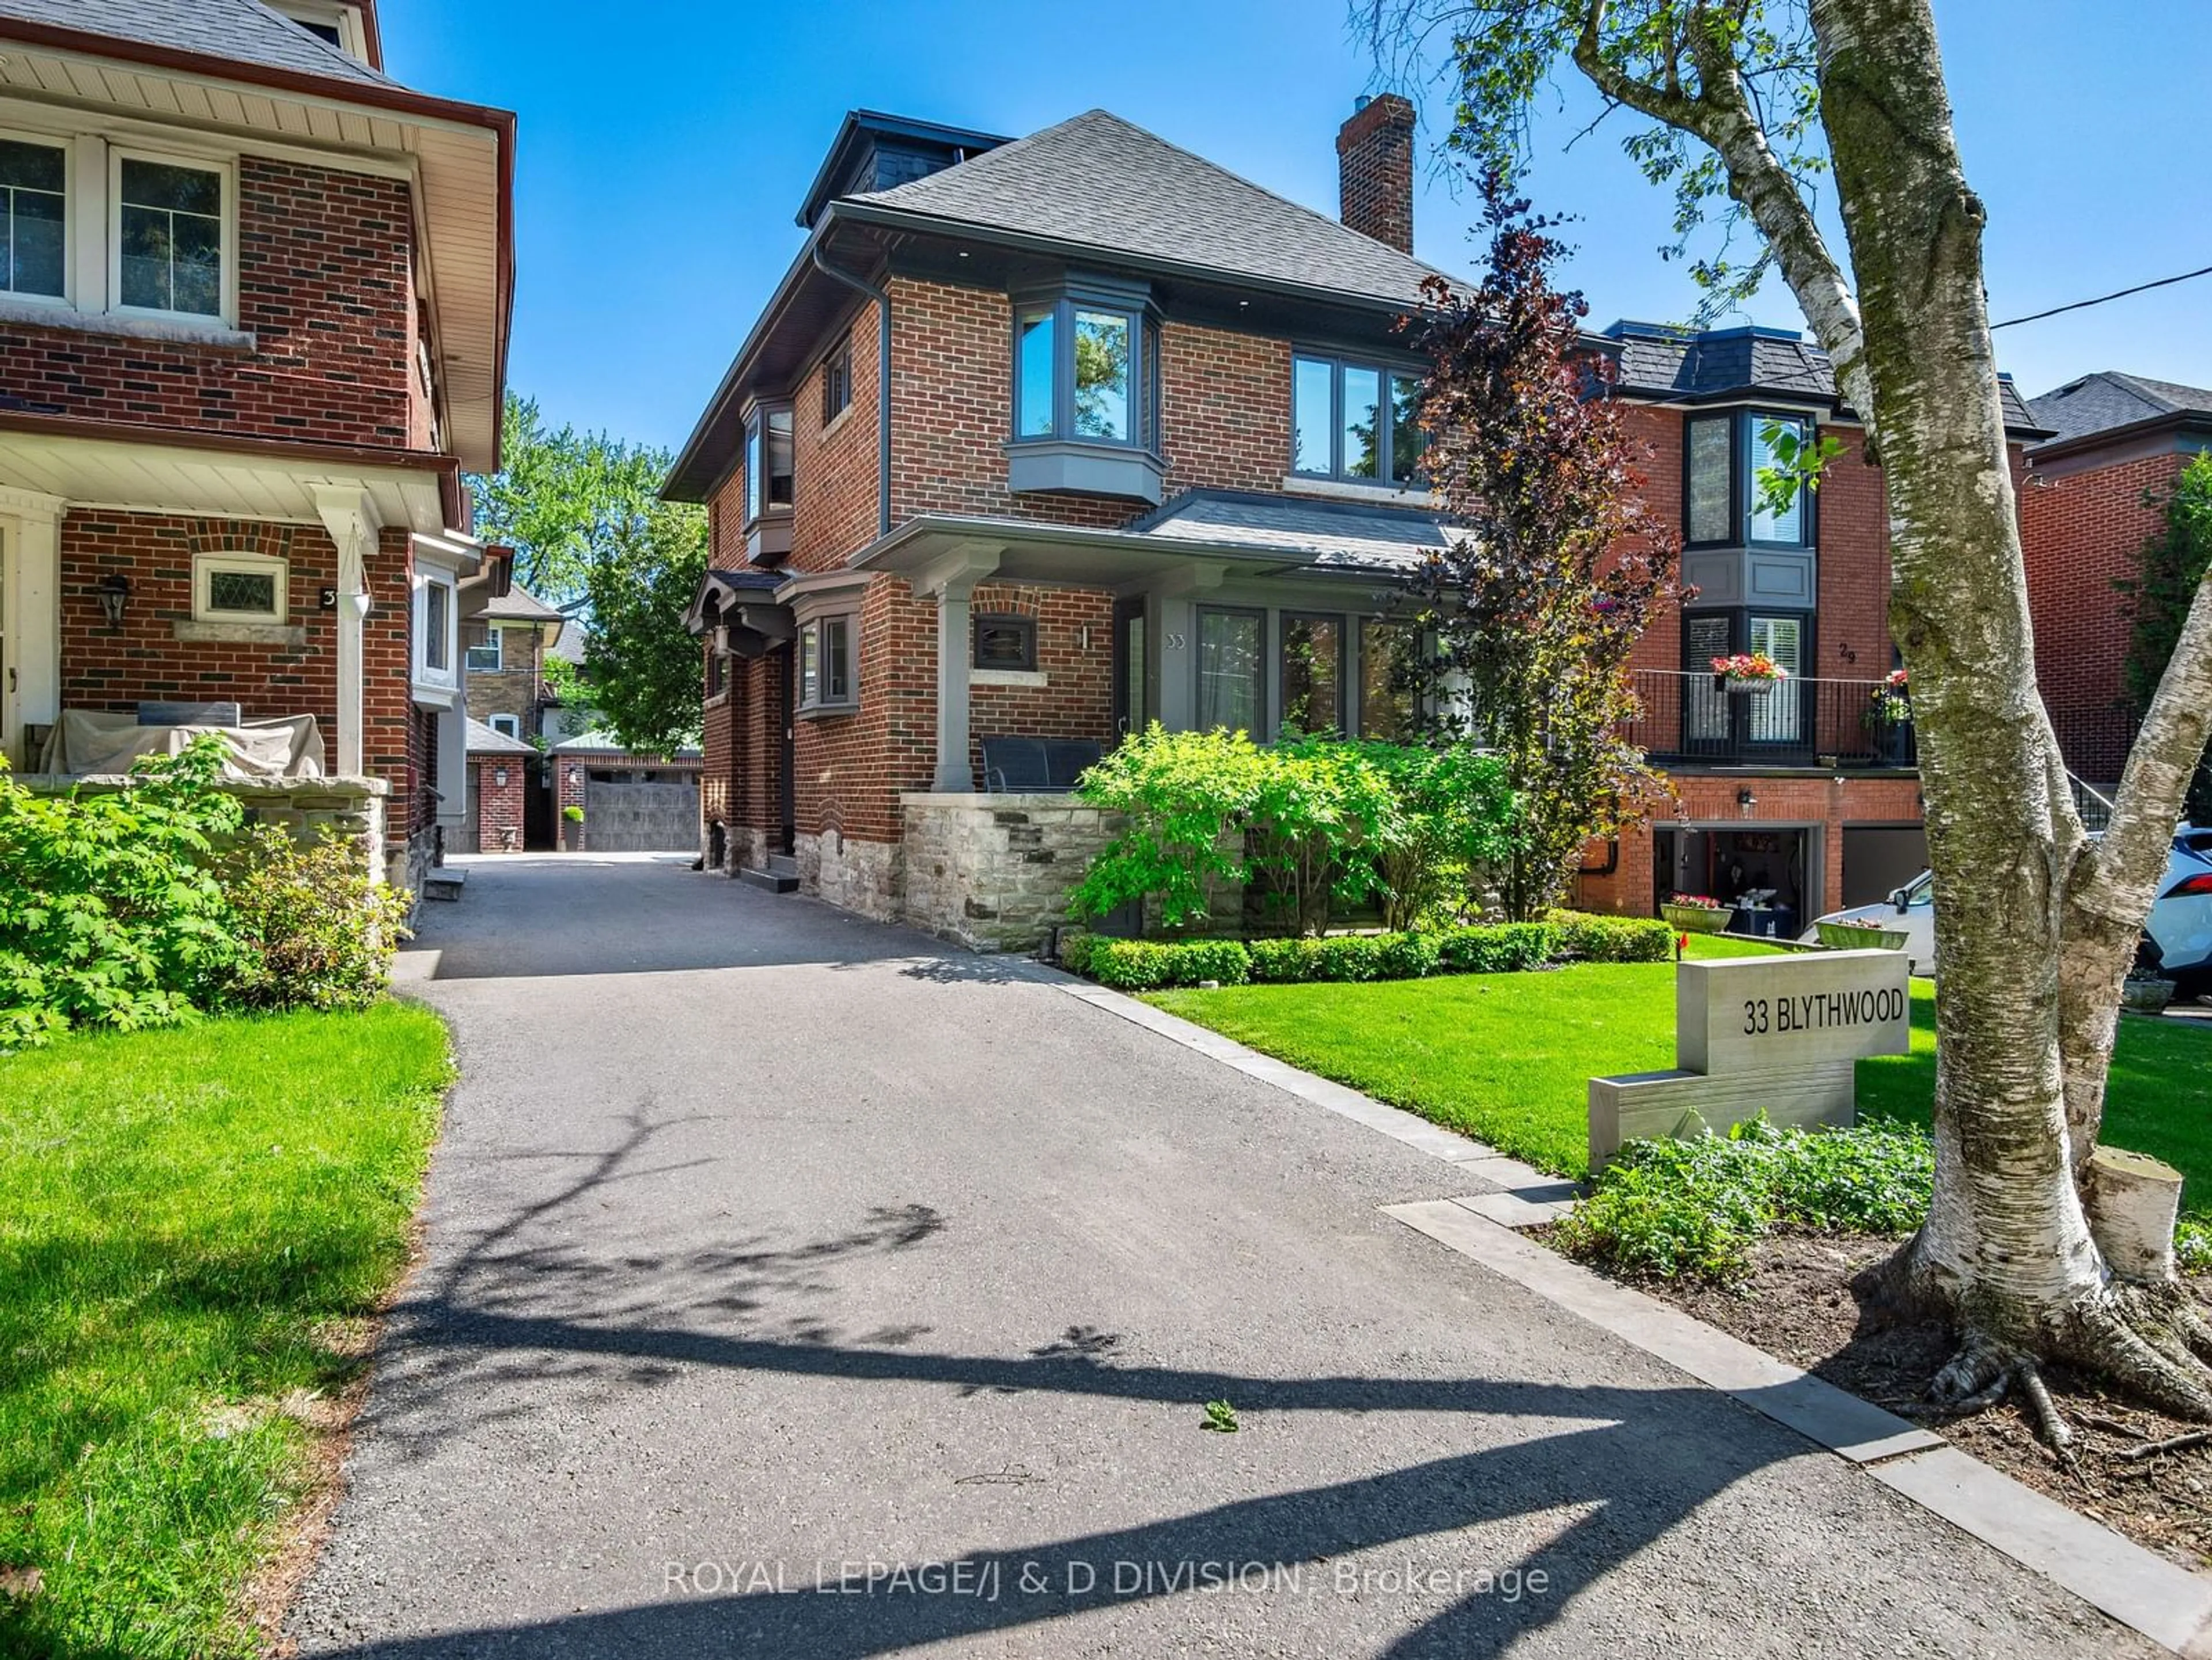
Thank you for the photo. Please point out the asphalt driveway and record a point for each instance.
(796, 1287)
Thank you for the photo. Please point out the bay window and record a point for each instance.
(1359, 422)
(1086, 391)
(1723, 505)
(768, 462)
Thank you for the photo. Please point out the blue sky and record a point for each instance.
(664, 149)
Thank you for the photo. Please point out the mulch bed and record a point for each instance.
(1798, 1306)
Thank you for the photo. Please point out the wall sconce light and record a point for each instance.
(1746, 799)
(575, 775)
(114, 595)
(499, 776)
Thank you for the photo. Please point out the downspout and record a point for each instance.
(882, 381)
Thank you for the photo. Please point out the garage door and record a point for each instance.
(624, 812)
(1878, 859)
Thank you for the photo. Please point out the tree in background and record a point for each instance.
(1749, 107)
(2174, 563)
(1536, 609)
(590, 535)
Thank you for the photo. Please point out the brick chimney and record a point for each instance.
(1374, 170)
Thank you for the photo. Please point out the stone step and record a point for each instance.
(444, 882)
(782, 864)
(771, 880)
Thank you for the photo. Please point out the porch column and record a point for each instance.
(30, 615)
(952, 581)
(350, 516)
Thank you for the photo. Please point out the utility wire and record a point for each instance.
(2122, 293)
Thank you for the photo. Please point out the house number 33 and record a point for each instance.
(1173, 641)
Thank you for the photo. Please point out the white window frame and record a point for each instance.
(497, 635)
(206, 566)
(423, 671)
(346, 20)
(66, 299)
(227, 169)
(508, 725)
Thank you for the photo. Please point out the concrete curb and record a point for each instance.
(2164, 1601)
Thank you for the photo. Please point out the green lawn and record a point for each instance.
(192, 1224)
(1508, 1057)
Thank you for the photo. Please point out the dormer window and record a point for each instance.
(328, 21)
(1085, 383)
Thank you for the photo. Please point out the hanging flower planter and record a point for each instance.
(1748, 674)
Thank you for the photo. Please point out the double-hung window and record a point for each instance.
(1356, 421)
(483, 655)
(171, 235)
(1724, 503)
(826, 679)
(837, 380)
(33, 219)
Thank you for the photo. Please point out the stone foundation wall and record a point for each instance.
(866, 877)
(994, 872)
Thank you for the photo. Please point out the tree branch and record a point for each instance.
(2122, 873)
(1720, 115)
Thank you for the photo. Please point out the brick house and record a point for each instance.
(254, 326)
(506, 638)
(2117, 444)
(1041, 439)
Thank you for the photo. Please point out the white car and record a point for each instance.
(2179, 925)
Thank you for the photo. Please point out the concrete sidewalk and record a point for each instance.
(795, 1288)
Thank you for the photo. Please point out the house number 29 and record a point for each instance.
(1173, 641)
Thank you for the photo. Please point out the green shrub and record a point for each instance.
(1306, 825)
(1696, 1206)
(315, 930)
(1495, 948)
(573, 813)
(1153, 965)
(1584, 937)
(1279, 962)
(109, 914)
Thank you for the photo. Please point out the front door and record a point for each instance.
(1130, 713)
(787, 758)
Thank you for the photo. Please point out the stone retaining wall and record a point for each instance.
(994, 872)
(355, 807)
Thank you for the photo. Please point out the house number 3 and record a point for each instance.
(1173, 641)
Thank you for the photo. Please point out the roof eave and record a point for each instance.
(2178, 420)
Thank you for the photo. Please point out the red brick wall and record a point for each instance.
(325, 288)
(2082, 531)
(145, 661)
(571, 783)
(834, 503)
(500, 807)
(1225, 402)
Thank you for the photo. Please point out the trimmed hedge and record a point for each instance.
(1582, 937)
(1154, 965)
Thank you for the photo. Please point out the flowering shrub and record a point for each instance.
(1697, 902)
(1749, 666)
(1890, 704)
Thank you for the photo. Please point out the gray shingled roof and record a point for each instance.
(1659, 359)
(1343, 536)
(2106, 399)
(483, 740)
(1098, 180)
(521, 605)
(242, 29)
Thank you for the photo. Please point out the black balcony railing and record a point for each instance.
(1798, 722)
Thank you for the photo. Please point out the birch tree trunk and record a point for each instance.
(2041, 923)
